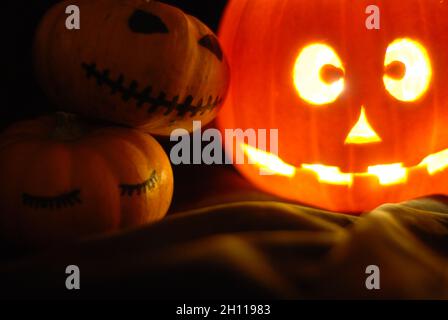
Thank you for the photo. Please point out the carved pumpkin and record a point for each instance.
(362, 115)
(63, 179)
(140, 63)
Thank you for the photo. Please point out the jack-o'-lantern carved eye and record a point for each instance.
(407, 70)
(318, 74)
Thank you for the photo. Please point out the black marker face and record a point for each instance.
(146, 23)
(140, 188)
(66, 200)
(211, 43)
(73, 198)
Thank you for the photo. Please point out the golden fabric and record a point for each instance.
(262, 248)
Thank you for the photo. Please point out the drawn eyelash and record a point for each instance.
(73, 198)
(131, 189)
(65, 200)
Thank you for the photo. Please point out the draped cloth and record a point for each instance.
(225, 239)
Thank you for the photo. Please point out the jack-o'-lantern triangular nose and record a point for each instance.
(362, 132)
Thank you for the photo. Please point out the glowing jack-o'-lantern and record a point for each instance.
(362, 115)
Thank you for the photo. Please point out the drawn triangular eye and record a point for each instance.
(211, 43)
(146, 23)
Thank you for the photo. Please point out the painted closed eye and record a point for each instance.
(407, 70)
(140, 188)
(66, 200)
(146, 23)
(318, 74)
(212, 44)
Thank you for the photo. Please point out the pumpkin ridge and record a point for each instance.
(149, 184)
(69, 199)
(131, 92)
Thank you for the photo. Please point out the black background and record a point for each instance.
(21, 97)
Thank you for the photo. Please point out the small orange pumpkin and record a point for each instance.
(63, 179)
(140, 63)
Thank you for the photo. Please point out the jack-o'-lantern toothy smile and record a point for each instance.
(387, 174)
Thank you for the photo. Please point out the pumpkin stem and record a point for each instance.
(68, 127)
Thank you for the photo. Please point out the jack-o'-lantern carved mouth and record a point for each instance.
(387, 174)
(143, 96)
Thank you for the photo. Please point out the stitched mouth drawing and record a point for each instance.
(144, 97)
